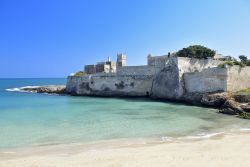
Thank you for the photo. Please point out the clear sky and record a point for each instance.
(52, 38)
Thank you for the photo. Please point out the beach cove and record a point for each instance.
(224, 151)
(54, 130)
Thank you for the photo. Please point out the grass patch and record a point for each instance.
(223, 65)
(247, 90)
(231, 63)
(80, 73)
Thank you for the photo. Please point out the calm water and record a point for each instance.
(28, 119)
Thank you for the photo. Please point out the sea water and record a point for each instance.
(31, 119)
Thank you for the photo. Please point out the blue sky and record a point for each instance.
(52, 38)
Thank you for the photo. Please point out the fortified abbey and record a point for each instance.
(165, 77)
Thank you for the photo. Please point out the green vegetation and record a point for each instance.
(245, 90)
(80, 73)
(223, 65)
(239, 63)
(196, 51)
(244, 115)
(243, 59)
(242, 63)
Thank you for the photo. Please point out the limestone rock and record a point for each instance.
(193, 98)
(51, 89)
(242, 97)
(216, 99)
(231, 107)
(246, 108)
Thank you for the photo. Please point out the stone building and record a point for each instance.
(121, 60)
(90, 69)
(157, 61)
(165, 77)
(223, 58)
(101, 67)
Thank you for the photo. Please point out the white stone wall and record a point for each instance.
(192, 65)
(158, 61)
(180, 76)
(137, 70)
(238, 78)
(169, 83)
(111, 85)
(231, 79)
(208, 80)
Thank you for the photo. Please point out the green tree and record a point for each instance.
(243, 59)
(196, 51)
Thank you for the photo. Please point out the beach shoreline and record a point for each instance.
(219, 150)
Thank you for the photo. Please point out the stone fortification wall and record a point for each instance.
(166, 82)
(158, 61)
(169, 83)
(195, 65)
(179, 77)
(192, 65)
(90, 69)
(231, 79)
(208, 80)
(137, 70)
(238, 78)
(138, 83)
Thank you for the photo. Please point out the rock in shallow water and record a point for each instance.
(51, 89)
(231, 107)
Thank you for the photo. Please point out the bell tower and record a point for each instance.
(121, 60)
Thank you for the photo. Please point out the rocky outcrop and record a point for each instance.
(215, 99)
(231, 107)
(51, 89)
(245, 108)
(224, 101)
(242, 97)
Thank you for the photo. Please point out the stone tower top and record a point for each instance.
(121, 60)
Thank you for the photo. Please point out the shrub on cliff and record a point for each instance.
(223, 65)
(243, 59)
(231, 63)
(196, 51)
(79, 74)
(239, 64)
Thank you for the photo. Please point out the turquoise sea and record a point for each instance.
(30, 119)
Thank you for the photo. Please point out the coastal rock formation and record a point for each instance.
(214, 99)
(231, 107)
(242, 97)
(51, 89)
(245, 108)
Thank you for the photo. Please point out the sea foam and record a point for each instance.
(20, 89)
(204, 135)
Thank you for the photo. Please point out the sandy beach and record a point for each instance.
(229, 150)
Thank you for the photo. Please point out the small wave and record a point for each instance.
(204, 135)
(13, 90)
(245, 129)
(20, 89)
(167, 139)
